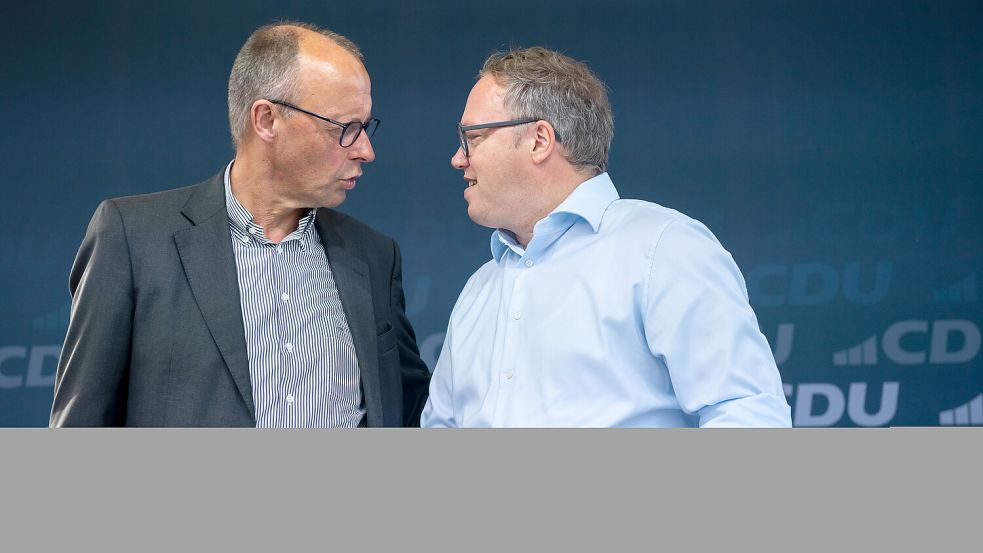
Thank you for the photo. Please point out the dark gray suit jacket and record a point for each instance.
(156, 336)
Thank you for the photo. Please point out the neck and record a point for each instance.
(254, 186)
(553, 190)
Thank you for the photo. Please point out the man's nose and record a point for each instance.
(362, 148)
(459, 160)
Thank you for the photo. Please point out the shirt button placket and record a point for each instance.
(516, 299)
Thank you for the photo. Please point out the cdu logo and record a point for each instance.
(774, 285)
(32, 367)
(821, 404)
(966, 290)
(970, 413)
(950, 342)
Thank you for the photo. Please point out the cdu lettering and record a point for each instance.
(822, 404)
(808, 284)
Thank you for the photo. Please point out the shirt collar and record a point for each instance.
(587, 202)
(241, 220)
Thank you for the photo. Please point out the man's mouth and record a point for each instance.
(350, 182)
(472, 182)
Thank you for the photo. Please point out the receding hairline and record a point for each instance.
(308, 40)
(317, 48)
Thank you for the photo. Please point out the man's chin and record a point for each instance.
(475, 217)
(479, 218)
(334, 200)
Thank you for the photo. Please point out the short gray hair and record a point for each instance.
(266, 67)
(563, 91)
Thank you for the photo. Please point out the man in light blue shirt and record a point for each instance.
(593, 311)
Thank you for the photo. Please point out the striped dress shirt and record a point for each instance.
(302, 361)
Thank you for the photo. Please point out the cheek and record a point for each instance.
(328, 160)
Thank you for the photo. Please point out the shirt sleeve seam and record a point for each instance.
(648, 274)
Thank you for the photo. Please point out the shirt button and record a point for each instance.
(290, 398)
(529, 263)
(279, 248)
(285, 296)
(289, 346)
(508, 375)
(253, 230)
(517, 315)
(244, 238)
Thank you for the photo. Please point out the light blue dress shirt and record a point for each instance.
(619, 313)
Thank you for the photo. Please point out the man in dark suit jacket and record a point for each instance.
(245, 300)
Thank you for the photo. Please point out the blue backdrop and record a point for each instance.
(832, 147)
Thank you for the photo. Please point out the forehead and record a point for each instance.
(485, 103)
(335, 82)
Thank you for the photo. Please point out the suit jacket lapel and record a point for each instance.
(351, 276)
(209, 263)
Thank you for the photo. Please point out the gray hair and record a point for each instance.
(266, 67)
(563, 91)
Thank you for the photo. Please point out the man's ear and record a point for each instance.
(262, 119)
(544, 141)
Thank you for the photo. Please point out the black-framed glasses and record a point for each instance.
(463, 129)
(349, 131)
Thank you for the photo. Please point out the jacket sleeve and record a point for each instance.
(415, 375)
(91, 382)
